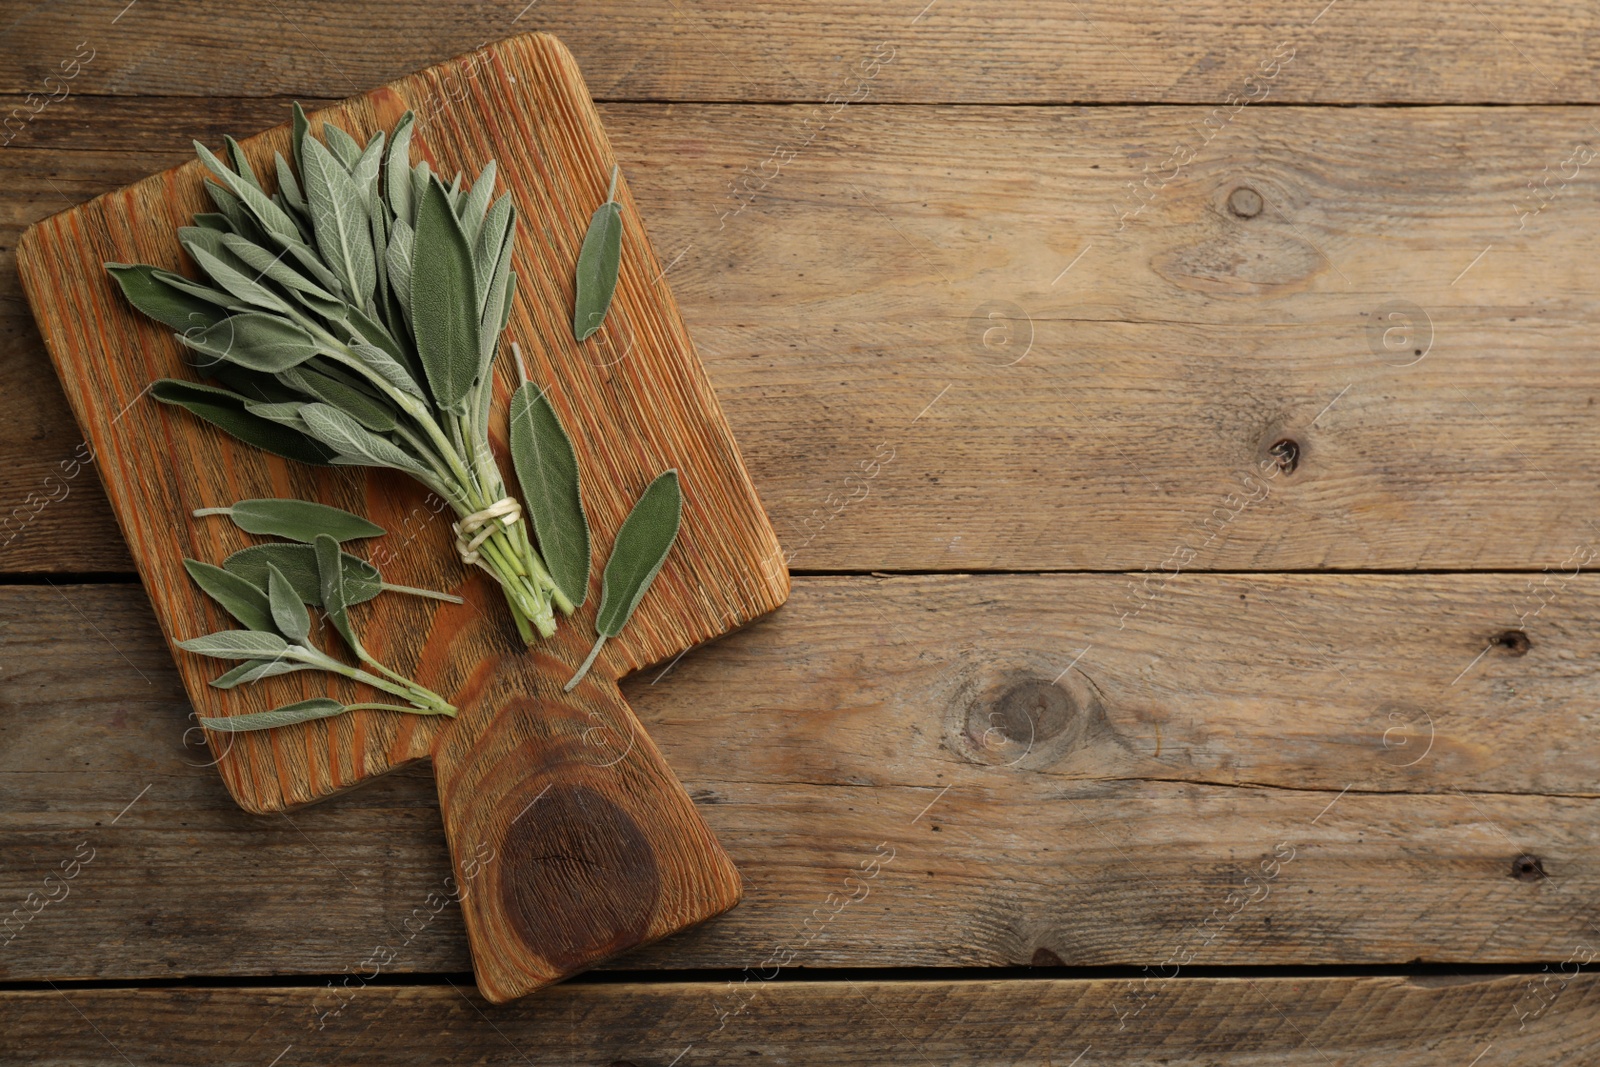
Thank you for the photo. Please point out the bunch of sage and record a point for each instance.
(352, 316)
(268, 587)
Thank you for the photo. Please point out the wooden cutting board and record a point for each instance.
(572, 840)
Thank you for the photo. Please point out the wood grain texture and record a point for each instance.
(1033, 51)
(636, 402)
(1371, 724)
(1251, 1022)
(856, 287)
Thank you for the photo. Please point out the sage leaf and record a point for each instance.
(547, 470)
(242, 599)
(598, 263)
(226, 410)
(256, 669)
(288, 715)
(346, 149)
(335, 601)
(477, 202)
(369, 411)
(339, 219)
(298, 564)
(255, 340)
(146, 290)
(241, 165)
(641, 548)
(288, 610)
(353, 443)
(444, 301)
(298, 520)
(397, 170)
(236, 644)
(269, 216)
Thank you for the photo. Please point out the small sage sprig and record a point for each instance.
(352, 317)
(642, 545)
(598, 262)
(298, 520)
(277, 640)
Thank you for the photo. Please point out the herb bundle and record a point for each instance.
(352, 317)
(271, 601)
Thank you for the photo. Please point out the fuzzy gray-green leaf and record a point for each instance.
(444, 301)
(288, 610)
(299, 564)
(254, 670)
(226, 410)
(597, 269)
(397, 170)
(243, 599)
(255, 340)
(298, 520)
(547, 470)
(288, 715)
(339, 217)
(353, 442)
(335, 597)
(237, 644)
(145, 289)
(641, 548)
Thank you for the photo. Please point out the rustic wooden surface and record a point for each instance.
(1440, 804)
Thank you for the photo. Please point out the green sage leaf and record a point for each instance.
(269, 216)
(298, 563)
(298, 520)
(243, 600)
(397, 170)
(288, 715)
(641, 548)
(547, 469)
(236, 644)
(346, 149)
(335, 597)
(255, 340)
(372, 413)
(226, 410)
(256, 669)
(444, 301)
(477, 202)
(142, 284)
(241, 165)
(288, 610)
(598, 263)
(339, 219)
(353, 443)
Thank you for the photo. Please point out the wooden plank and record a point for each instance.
(1355, 746)
(1548, 1018)
(1164, 363)
(1033, 51)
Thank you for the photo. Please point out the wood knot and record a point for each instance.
(578, 879)
(1528, 868)
(1245, 202)
(1514, 642)
(1023, 718)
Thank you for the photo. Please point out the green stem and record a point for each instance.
(431, 594)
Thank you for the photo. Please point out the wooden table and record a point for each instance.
(1188, 470)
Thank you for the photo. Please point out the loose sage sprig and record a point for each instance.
(298, 520)
(642, 545)
(277, 640)
(352, 316)
(597, 265)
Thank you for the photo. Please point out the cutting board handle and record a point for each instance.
(571, 838)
